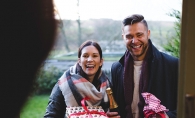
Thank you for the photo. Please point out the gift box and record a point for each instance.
(80, 112)
(153, 108)
(85, 111)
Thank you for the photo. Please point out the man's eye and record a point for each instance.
(139, 35)
(129, 37)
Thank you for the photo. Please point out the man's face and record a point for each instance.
(136, 38)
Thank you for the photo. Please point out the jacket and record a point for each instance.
(163, 81)
(65, 87)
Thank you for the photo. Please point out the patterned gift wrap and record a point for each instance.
(153, 107)
(87, 112)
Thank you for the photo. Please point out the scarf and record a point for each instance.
(74, 88)
(129, 81)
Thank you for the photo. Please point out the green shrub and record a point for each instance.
(173, 45)
(46, 79)
(108, 74)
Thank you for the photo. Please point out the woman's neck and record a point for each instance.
(91, 78)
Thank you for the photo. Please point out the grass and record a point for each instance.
(35, 107)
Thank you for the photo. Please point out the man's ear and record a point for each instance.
(148, 33)
(122, 34)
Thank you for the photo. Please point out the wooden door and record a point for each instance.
(186, 85)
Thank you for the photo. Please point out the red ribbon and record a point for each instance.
(87, 111)
(147, 114)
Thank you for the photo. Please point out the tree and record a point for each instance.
(60, 27)
(79, 26)
(173, 45)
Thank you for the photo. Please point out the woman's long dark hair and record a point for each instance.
(80, 70)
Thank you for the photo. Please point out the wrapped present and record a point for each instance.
(80, 112)
(85, 111)
(153, 107)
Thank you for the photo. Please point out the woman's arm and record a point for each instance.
(56, 106)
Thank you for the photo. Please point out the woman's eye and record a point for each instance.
(95, 56)
(85, 56)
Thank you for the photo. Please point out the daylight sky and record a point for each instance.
(153, 10)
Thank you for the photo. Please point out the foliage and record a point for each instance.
(108, 74)
(173, 45)
(46, 79)
(107, 32)
(35, 107)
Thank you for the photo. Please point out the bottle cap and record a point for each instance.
(109, 91)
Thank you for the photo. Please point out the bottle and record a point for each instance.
(113, 104)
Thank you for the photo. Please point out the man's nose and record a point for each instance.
(134, 40)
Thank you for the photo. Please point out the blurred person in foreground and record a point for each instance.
(28, 30)
(143, 68)
(84, 79)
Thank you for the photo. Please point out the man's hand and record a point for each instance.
(158, 116)
(113, 114)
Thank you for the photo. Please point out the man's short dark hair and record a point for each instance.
(135, 18)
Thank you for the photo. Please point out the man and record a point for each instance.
(143, 68)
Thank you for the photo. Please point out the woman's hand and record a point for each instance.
(113, 114)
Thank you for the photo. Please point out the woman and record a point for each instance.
(83, 79)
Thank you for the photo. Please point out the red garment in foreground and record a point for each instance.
(153, 106)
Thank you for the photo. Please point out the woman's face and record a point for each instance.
(90, 60)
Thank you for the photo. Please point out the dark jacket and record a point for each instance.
(163, 80)
(56, 107)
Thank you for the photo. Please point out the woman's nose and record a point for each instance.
(89, 59)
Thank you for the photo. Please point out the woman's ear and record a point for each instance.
(79, 61)
(101, 62)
